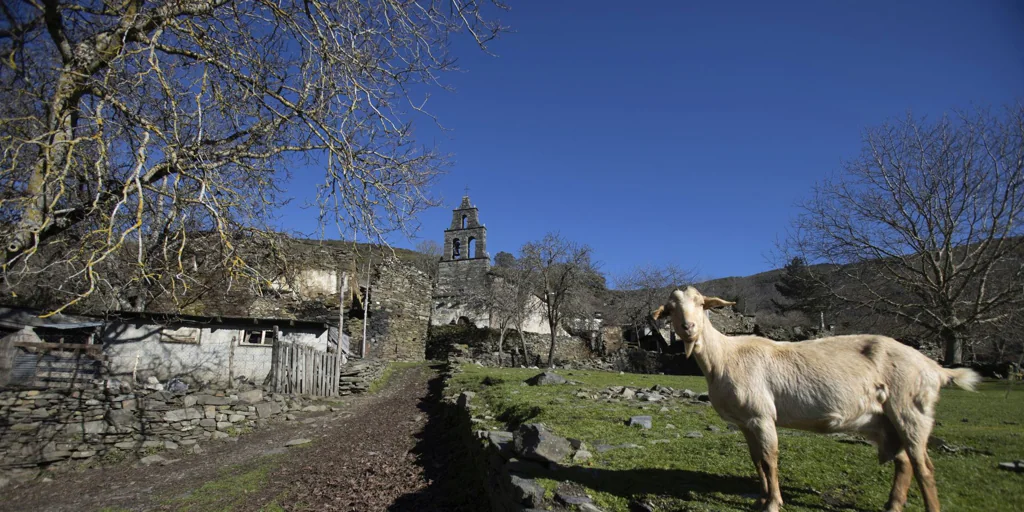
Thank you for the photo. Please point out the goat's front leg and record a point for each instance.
(764, 451)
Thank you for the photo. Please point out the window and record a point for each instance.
(464, 222)
(471, 248)
(180, 335)
(456, 246)
(258, 338)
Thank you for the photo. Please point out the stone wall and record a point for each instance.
(462, 277)
(399, 314)
(43, 427)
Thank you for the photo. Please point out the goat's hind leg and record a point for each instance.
(914, 426)
(890, 447)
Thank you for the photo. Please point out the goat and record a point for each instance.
(872, 385)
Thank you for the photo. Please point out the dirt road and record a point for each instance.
(385, 451)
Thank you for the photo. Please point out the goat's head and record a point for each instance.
(685, 309)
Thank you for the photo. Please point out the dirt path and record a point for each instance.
(385, 451)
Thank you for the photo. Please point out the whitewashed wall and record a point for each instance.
(141, 348)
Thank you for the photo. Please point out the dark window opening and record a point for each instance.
(456, 253)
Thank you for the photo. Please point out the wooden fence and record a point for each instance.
(54, 364)
(304, 370)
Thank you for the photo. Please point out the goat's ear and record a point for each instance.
(715, 302)
(659, 313)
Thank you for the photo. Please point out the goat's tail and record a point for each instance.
(965, 378)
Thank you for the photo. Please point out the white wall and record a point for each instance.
(139, 347)
(310, 282)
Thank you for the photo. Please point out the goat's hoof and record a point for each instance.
(772, 506)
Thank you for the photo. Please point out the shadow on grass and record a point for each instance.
(679, 484)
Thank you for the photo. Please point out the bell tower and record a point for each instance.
(466, 238)
(462, 273)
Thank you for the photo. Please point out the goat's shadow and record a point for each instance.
(682, 484)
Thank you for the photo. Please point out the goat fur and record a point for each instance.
(869, 384)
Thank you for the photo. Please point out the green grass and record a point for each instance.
(228, 492)
(385, 376)
(715, 473)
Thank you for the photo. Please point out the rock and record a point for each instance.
(152, 459)
(628, 393)
(197, 450)
(217, 434)
(189, 400)
(546, 379)
(170, 445)
(577, 444)
(208, 423)
(653, 397)
(251, 397)
(503, 442)
(84, 454)
(643, 421)
(704, 397)
(215, 400)
(94, 427)
(465, 398)
(694, 435)
(290, 417)
(589, 507)
(268, 409)
(235, 418)
(527, 492)
(1016, 466)
(298, 442)
(183, 415)
(176, 385)
(534, 441)
(581, 456)
(570, 500)
(688, 394)
(120, 417)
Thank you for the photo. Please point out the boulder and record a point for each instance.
(527, 492)
(546, 379)
(534, 441)
(645, 422)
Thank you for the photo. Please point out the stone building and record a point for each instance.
(464, 276)
(463, 272)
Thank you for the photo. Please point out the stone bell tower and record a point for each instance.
(464, 266)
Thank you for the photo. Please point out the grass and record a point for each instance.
(228, 492)
(714, 472)
(385, 376)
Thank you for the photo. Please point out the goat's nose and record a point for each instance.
(689, 326)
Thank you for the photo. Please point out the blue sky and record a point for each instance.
(686, 132)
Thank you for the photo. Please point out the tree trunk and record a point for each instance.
(501, 340)
(522, 341)
(551, 351)
(953, 346)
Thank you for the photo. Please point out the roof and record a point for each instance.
(16, 318)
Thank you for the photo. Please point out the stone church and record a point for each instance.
(465, 271)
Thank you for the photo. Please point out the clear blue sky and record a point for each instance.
(685, 132)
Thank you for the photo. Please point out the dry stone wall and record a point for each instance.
(40, 427)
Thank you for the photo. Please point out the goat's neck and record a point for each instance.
(711, 358)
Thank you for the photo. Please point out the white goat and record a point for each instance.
(873, 385)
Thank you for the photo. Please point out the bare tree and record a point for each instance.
(927, 224)
(511, 301)
(563, 270)
(644, 288)
(429, 258)
(136, 130)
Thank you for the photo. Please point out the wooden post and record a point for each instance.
(275, 360)
(342, 348)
